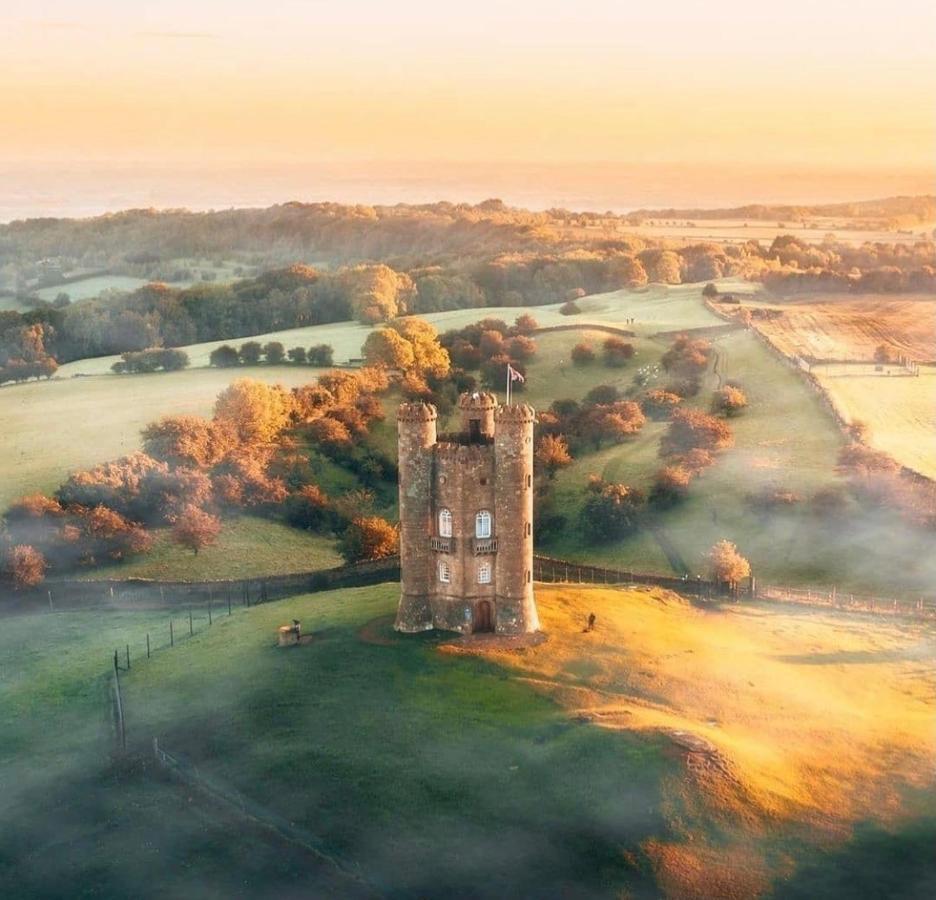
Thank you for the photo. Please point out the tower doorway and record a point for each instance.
(484, 616)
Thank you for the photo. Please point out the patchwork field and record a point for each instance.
(900, 411)
(674, 751)
(852, 326)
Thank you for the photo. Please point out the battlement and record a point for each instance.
(519, 413)
(479, 400)
(417, 412)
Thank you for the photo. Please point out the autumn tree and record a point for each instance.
(729, 400)
(687, 357)
(369, 537)
(188, 440)
(617, 352)
(297, 355)
(582, 354)
(659, 403)
(258, 412)
(552, 454)
(195, 529)
(308, 508)
(610, 510)
(670, 485)
(26, 566)
(525, 324)
(726, 565)
(692, 429)
(386, 347)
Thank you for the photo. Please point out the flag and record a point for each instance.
(514, 375)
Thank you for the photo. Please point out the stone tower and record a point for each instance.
(466, 519)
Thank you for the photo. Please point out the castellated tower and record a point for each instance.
(466, 519)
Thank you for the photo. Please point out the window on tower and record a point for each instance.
(445, 573)
(484, 573)
(483, 524)
(445, 523)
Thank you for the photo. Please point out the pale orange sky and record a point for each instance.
(819, 82)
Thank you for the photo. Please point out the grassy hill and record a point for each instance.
(647, 757)
(656, 308)
(247, 547)
(54, 427)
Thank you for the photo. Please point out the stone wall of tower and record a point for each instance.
(513, 491)
(463, 483)
(478, 406)
(417, 436)
(485, 467)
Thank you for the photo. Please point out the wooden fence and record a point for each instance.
(139, 593)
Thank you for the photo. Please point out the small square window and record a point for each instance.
(445, 573)
(483, 481)
(484, 573)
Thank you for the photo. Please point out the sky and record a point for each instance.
(837, 84)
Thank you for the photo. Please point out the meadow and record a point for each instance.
(88, 288)
(897, 409)
(248, 547)
(53, 427)
(647, 757)
(786, 439)
(900, 412)
(658, 308)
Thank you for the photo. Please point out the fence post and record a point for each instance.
(51, 606)
(121, 729)
(209, 609)
(191, 627)
(162, 595)
(128, 657)
(229, 599)
(171, 635)
(147, 645)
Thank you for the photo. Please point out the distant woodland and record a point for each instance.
(317, 263)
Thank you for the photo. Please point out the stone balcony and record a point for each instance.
(442, 544)
(485, 545)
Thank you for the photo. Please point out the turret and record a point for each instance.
(477, 414)
(513, 452)
(417, 436)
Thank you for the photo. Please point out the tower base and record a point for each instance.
(414, 614)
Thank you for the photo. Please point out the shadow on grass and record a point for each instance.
(437, 775)
(875, 863)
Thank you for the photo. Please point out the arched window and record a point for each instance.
(445, 523)
(483, 524)
(484, 573)
(445, 573)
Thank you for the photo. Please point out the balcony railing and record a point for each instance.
(442, 544)
(485, 545)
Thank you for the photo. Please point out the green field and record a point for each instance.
(247, 547)
(51, 428)
(74, 824)
(658, 308)
(423, 770)
(87, 288)
(551, 772)
(785, 439)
